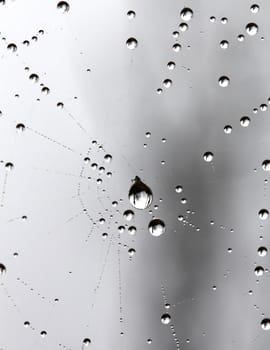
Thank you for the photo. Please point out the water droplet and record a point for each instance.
(227, 129)
(26, 324)
(132, 230)
(241, 37)
(132, 43)
(86, 342)
(266, 165)
(254, 8)
(183, 27)
(128, 215)
(224, 20)
(156, 227)
(175, 34)
(171, 65)
(34, 78)
(224, 44)
(252, 29)
(262, 251)
(20, 127)
(167, 83)
(259, 270)
(212, 19)
(224, 81)
(149, 341)
(165, 319)
(131, 14)
(245, 121)
(131, 251)
(176, 47)
(45, 90)
(263, 214)
(43, 334)
(9, 166)
(178, 189)
(208, 156)
(186, 14)
(108, 158)
(3, 269)
(265, 324)
(140, 195)
(12, 47)
(63, 6)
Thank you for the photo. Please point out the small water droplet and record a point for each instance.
(224, 81)
(266, 165)
(132, 43)
(262, 251)
(245, 121)
(224, 44)
(227, 129)
(165, 319)
(208, 156)
(263, 214)
(252, 29)
(186, 14)
(63, 6)
(131, 14)
(254, 8)
(265, 324)
(156, 227)
(259, 270)
(128, 215)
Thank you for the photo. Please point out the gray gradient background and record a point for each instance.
(61, 250)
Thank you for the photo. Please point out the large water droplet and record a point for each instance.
(156, 227)
(224, 81)
(208, 156)
(140, 195)
(132, 43)
(186, 14)
(165, 319)
(252, 29)
(63, 6)
(263, 214)
(265, 324)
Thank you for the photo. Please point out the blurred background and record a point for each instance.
(93, 94)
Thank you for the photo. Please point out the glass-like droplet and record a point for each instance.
(140, 195)
(63, 6)
(171, 65)
(86, 342)
(178, 189)
(132, 43)
(245, 121)
(183, 27)
(131, 251)
(266, 165)
(149, 341)
(175, 34)
(34, 77)
(128, 215)
(165, 319)
(208, 157)
(9, 166)
(212, 19)
(227, 129)
(108, 158)
(186, 14)
(252, 29)
(45, 90)
(131, 14)
(224, 81)
(224, 44)
(263, 214)
(20, 127)
(176, 47)
(26, 324)
(262, 251)
(156, 227)
(263, 107)
(12, 47)
(241, 37)
(254, 8)
(167, 83)
(265, 324)
(132, 230)
(3, 269)
(259, 270)
(224, 20)
(43, 334)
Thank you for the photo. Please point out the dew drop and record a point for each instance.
(245, 121)
(254, 8)
(266, 165)
(224, 44)
(132, 43)
(208, 157)
(183, 27)
(262, 251)
(263, 214)
(131, 14)
(156, 227)
(186, 14)
(12, 47)
(86, 342)
(63, 6)
(259, 270)
(167, 83)
(3, 269)
(224, 81)
(178, 189)
(140, 195)
(252, 29)
(128, 215)
(176, 47)
(265, 324)
(20, 127)
(227, 129)
(171, 65)
(165, 319)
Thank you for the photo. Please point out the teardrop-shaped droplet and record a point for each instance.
(140, 195)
